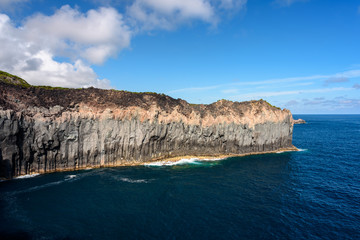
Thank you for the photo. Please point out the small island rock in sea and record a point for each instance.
(299, 121)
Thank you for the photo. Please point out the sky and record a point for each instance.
(303, 55)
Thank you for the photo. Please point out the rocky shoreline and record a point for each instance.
(44, 129)
(164, 160)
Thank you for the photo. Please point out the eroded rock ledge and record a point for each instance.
(46, 129)
(299, 121)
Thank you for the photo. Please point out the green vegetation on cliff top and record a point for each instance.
(15, 80)
(269, 104)
(12, 79)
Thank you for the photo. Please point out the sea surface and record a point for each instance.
(310, 194)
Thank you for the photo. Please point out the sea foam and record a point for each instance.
(28, 176)
(183, 161)
(133, 180)
(302, 150)
(70, 177)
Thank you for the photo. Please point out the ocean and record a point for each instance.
(310, 194)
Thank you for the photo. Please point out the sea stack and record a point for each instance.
(45, 129)
(299, 121)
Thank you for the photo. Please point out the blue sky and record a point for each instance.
(297, 54)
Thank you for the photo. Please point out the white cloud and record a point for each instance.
(195, 89)
(186, 8)
(96, 35)
(64, 74)
(287, 2)
(336, 105)
(148, 15)
(347, 74)
(8, 3)
(30, 50)
(232, 4)
(333, 77)
(299, 84)
(166, 14)
(253, 83)
(256, 95)
(59, 49)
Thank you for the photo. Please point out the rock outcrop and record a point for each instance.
(299, 121)
(44, 129)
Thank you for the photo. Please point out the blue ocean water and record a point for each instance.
(310, 194)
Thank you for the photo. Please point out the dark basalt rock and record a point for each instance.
(44, 129)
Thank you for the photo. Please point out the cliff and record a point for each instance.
(44, 129)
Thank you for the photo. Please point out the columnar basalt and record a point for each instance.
(47, 129)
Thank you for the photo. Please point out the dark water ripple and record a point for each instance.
(311, 194)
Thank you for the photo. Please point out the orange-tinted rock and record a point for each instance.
(44, 130)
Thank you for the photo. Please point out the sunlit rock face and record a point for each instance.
(46, 130)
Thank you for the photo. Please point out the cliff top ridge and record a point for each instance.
(17, 94)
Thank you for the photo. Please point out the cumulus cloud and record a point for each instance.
(59, 49)
(95, 36)
(166, 14)
(147, 15)
(30, 50)
(51, 72)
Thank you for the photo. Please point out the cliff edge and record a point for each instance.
(47, 129)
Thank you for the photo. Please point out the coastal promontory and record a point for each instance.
(46, 129)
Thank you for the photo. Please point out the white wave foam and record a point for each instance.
(46, 185)
(302, 150)
(133, 180)
(28, 176)
(211, 159)
(280, 152)
(171, 163)
(182, 161)
(70, 176)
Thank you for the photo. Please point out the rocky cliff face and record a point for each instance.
(48, 129)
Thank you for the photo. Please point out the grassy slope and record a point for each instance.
(15, 80)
